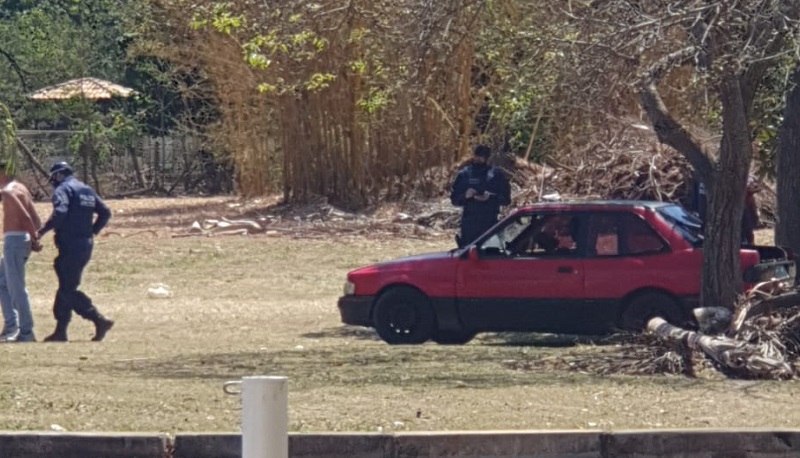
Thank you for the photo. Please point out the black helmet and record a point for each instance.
(60, 167)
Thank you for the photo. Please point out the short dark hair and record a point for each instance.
(483, 151)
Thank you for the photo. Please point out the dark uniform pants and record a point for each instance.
(73, 256)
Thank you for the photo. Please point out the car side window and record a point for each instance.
(547, 235)
(639, 237)
(620, 234)
(604, 235)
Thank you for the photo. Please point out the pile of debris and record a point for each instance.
(630, 165)
(317, 219)
(760, 340)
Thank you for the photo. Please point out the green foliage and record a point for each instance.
(8, 137)
(223, 20)
(768, 113)
(375, 101)
(45, 42)
(518, 74)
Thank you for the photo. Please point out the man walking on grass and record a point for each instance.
(74, 207)
(20, 237)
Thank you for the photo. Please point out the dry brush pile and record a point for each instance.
(759, 340)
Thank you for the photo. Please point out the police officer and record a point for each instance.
(74, 207)
(481, 189)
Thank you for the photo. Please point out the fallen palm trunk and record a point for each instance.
(224, 226)
(743, 358)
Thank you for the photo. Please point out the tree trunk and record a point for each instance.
(95, 177)
(724, 179)
(722, 270)
(84, 152)
(136, 169)
(788, 159)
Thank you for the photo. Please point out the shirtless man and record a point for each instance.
(20, 237)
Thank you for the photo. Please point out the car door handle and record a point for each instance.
(565, 269)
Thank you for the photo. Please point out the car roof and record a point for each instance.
(589, 205)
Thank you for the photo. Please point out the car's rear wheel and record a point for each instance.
(453, 337)
(404, 315)
(643, 307)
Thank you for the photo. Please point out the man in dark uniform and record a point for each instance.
(481, 189)
(74, 207)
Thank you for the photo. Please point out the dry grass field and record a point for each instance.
(266, 305)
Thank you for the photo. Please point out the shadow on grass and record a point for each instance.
(357, 365)
(502, 339)
(344, 332)
(528, 339)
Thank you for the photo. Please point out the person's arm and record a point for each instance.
(32, 209)
(103, 215)
(458, 194)
(60, 208)
(499, 190)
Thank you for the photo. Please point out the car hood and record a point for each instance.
(406, 263)
(427, 257)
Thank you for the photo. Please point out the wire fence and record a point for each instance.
(169, 165)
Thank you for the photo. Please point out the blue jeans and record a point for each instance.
(13, 295)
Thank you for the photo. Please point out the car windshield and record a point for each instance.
(687, 224)
(499, 240)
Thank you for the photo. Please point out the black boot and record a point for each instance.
(101, 327)
(60, 334)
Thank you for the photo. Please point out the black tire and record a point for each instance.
(641, 308)
(404, 316)
(453, 337)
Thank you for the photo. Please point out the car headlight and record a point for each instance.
(349, 288)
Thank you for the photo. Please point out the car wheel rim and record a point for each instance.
(402, 318)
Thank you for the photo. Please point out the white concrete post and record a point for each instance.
(265, 416)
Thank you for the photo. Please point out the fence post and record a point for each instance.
(265, 416)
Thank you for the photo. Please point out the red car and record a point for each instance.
(576, 268)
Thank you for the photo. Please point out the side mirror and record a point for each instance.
(472, 254)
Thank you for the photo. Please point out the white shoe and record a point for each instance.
(9, 336)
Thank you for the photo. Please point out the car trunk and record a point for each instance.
(774, 263)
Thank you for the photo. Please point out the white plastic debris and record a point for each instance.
(159, 291)
(55, 427)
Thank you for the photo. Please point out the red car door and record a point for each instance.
(527, 276)
(625, 254)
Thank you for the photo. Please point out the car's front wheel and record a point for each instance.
(404, 315)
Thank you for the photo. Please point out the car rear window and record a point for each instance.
(687, 224)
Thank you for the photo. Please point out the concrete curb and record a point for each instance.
(711, 443)
(83, 445)
(695, 443)
(550, 444)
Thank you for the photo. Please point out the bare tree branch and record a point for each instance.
(21, 74)
(668, 130)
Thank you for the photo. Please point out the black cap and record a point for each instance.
(60, 167)
(483, 151)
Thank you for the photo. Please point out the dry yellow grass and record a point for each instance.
(265, 305)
